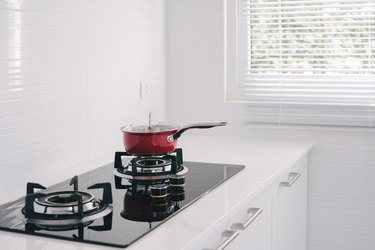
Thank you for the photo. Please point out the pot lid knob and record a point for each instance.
(149, 120)
(159, 190)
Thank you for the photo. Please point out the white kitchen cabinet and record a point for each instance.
(214, 236)
(249, 226)
(273, 219)
(254, 221)
(292, 208)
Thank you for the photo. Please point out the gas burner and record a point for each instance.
(66, 210)
(152, 162)
(155, 185)
(152, 165)
(148, 170)
(64, 199)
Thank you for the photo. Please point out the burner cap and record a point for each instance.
(64, 199)
(152, 162)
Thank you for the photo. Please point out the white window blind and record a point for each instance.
(307, 61)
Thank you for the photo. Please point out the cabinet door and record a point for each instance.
(254, 221)
(292, 208)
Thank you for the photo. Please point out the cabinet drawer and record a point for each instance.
(254, 220)
(249, 226)
(212, 238)
(274, 219)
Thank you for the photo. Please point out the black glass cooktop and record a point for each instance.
(113, 229)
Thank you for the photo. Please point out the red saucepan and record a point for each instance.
(156, 139)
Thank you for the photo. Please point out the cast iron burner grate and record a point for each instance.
(64, 210)
(148, 170)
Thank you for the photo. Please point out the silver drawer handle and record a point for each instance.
(293, 177)
(255, 212)
(231, 234)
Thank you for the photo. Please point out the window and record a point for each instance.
(303, 61)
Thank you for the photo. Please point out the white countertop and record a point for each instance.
(264, 160)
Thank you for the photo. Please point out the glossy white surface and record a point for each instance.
(265, 160)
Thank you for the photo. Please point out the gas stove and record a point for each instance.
(116, 204)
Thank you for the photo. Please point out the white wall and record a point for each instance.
(342, 166)
(69, 79)
(195, 64)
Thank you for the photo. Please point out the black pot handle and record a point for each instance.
(176, 135)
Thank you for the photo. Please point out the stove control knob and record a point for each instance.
(178, 196)
(176, 184)
(177, 187)
(159, 190)
(174, 189)
(177, 179)
(159, 195)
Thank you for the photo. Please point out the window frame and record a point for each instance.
(233, 88)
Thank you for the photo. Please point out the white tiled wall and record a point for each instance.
(69, 78)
